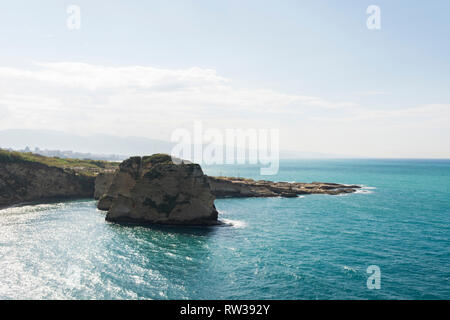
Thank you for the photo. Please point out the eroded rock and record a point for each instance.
(155, 190)
(103, 182)
(25, 181)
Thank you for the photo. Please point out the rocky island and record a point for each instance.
(151, 189)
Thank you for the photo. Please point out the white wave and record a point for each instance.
(363, 191)
(349, 269)
(170, 254)
(235, 223)
(366, 190)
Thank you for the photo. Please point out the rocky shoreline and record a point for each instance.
(228, 187)
(150, 189)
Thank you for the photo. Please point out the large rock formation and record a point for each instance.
(155, 190)
(26, 181)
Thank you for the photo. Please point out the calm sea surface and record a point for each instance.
(311, 247)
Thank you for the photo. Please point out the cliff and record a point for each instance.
(23, 181)
(155, 190)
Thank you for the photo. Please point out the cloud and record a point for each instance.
(92, 77)
(151, 102)
(134, 98)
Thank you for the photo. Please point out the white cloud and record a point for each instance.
(92, 77)
(145, 101)
(93, 97)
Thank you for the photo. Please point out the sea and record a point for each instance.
(390, 240)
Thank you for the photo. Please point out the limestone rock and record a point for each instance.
(25, 181)
(102, 183)
(155, 190)
(228, 187)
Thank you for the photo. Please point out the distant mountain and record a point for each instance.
(123, 147)
(96, 144)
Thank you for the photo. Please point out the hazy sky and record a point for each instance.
(310, 68)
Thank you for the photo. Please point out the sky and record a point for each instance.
(312, 69)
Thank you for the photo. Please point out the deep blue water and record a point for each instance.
(311, 247)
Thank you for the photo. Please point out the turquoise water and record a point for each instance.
(311, 247)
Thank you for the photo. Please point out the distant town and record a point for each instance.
(68, 154)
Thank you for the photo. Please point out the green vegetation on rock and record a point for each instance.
(157, 158)
(84, 167)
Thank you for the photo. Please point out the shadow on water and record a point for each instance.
(169, 260)
(173, 229)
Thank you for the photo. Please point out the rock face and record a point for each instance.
(23, 181)
(102, 183)
(225, 187)
(155, 190)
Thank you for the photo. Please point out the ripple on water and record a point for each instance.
(318, 247)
